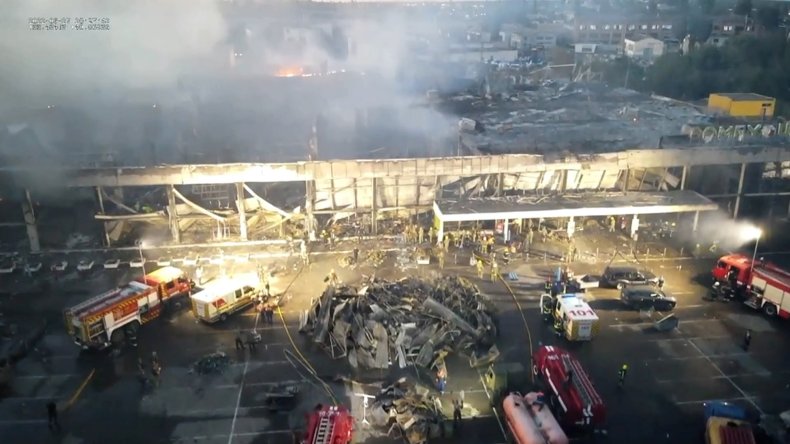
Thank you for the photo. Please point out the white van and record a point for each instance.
(224, 296)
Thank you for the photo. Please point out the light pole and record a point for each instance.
(756, 234)
(142, 259)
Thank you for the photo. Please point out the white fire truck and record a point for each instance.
(108, 318)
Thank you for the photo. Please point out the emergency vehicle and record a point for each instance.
(329, 425)
(168, 281)
(573, 397)
(720, 430)
(573, 318)
(224, 296)
(764, 286)
(109, 317)
(530, 421)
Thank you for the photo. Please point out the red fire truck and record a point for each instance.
(329, 425)
(109, 317)
(576, 403)
(763, 285)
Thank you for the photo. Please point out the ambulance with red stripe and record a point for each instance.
(110, 317)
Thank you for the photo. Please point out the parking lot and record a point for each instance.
(670, 375)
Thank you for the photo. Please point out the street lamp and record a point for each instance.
(753, 233)
(140, 245)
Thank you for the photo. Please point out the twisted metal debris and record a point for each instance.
(411, 321)
(213, 363)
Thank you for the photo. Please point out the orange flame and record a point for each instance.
(290, 71)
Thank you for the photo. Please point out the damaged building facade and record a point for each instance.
(234, 201)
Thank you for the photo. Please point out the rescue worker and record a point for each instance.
(540, 400)
(440, 256)
(432, 234)
(480, 269)
(621, 375)
(458, 405)
(747, 340)
(332, 239)
(506, 257)
(420, 235)
(547, 287)
(356, 256)
(304, 255)
(52, 416)
(252, 339)
(490, 244)
(269, 313)
(446, 242)
(441, 378)
(199, 274)
(612, 224)
(332, 278)
(239, 342)
(494, 271)
(530, 237)
(156, 367)
(661, 282)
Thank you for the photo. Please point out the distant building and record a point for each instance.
(742, 104)
(612, 30)
(717, 39)
(522, 37)
(643, 47)
(731, 25)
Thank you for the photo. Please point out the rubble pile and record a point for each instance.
(411, 321)
(214, 363)
(409, 408)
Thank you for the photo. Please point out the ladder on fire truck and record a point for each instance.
(573, 368)
(323, 433)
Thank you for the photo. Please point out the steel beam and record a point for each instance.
(172, 214)
(99, 193)
(424, 167)
(740, 191)
(242, 211)
(28, 212)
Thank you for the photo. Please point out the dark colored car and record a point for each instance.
(645, 297)
(620, 277)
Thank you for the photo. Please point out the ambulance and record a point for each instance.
(224, 296)
(573, 318)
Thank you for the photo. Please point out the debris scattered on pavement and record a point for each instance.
(411, 321)
(409, 409)
(214, 363)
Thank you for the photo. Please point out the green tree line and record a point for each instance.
(747, 63)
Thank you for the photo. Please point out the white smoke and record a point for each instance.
(149, 44)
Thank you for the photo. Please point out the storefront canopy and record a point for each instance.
(568, 205)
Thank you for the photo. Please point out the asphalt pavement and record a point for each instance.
(670, 375)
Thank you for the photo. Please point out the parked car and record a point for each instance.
(622, 276)
(59, 266)
(8, 267)
(645, 297)
(33, 267)
(112, 263)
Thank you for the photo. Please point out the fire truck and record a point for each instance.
(763, 286)
(530, 421)
(573, 397)
(329, 425)
(108, 318)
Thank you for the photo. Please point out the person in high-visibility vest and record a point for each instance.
(440, 256)
(494, 271)
(480, 269)
(621, 375)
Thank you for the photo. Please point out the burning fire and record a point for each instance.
(290, 71)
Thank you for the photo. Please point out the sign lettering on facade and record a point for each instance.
(710, 134)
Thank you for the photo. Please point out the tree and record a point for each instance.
(706, 6)
(767, 17)
(699, 28)
(743, 7)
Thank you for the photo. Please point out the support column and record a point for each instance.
(695, 223)
(30, 223)
(738, 194)
(242, 211)
(374, 226)
(506, 231)
(626, 179)
(103, 224)
(172, 215)
(500, 184)
(308, 206)
(683, 177)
